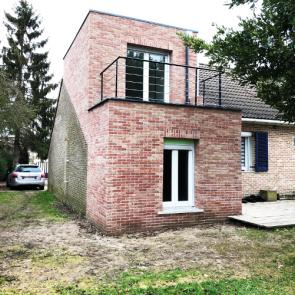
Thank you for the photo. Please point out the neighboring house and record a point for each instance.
(267, 144)
(137, 144)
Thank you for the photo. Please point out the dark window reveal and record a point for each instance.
(156, 77)
(182, 175)
(167, 175)
(134, 75)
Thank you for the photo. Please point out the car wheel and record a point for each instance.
(7, 184)
(41, 188)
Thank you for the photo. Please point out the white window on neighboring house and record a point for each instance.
(147, 74)
(247, 151)
(178, 174)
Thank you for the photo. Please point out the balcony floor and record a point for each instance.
(268, 214)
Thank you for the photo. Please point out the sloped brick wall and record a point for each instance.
(68, 156)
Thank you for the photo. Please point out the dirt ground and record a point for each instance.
(104, 256)
(38, 254)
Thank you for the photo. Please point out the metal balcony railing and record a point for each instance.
(147, 80)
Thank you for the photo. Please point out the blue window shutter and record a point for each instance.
(261, 151)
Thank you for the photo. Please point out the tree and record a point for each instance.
(28, 67)
(10, 108)
(39, 133)
(261, 52)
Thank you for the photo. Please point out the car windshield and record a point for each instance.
(28, 169)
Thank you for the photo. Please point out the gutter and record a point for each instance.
(187, 100)
(265, 121)
(187, 58)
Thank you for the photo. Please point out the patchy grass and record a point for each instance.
(42, 251)
(55, 259)
(39, 269)
(189, 282)
(29, 206)
(259, 262)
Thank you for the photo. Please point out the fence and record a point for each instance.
(43, 165)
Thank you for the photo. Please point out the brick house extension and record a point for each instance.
(137, 145)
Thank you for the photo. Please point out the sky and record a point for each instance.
(61, 19)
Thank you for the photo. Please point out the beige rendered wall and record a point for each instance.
(281, 161)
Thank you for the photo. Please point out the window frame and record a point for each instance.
(248, 167)
(146, 70)
(175, 203)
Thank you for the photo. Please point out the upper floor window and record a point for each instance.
(147, 78)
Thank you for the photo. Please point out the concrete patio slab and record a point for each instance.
(268, 214)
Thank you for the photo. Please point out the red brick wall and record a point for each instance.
(281, 161)
(98, 166)
(125, 140)
(135, 165)
(109, 38)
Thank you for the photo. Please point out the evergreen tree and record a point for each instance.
(11, 108)
(27, 65)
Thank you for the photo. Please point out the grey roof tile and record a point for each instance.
(235, 95)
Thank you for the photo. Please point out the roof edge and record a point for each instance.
(143, 20)
(55, 112)
(126, 17)
(83, 22)
(219, 108)
(266, 121)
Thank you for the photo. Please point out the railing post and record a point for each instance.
(219, 91)
(116, 90)
(196, 86)
(101, 86)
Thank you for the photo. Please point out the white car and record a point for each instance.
(26, 175)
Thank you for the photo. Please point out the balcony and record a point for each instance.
(157, 81)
